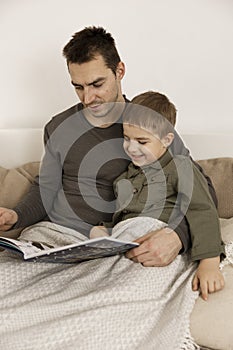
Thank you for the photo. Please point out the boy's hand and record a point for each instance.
(8, 218)
(208, 278)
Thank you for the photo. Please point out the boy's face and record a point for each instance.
(96, 85)
(141, 145)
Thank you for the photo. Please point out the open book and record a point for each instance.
(77, 252)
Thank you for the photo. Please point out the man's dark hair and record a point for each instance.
(86, 44)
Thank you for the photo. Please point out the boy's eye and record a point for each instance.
(97, 85)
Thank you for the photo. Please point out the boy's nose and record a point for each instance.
(132, 147)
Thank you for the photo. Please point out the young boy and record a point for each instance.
(167, 188)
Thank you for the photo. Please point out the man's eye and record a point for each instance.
(78, 88)
(142, 142)
(97, 85)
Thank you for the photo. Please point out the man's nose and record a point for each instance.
(88, 96)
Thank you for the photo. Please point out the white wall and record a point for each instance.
(182, 48)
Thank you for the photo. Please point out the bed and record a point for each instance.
(210, 321)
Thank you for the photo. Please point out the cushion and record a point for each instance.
(211, 321)
(14, 183)
(220, 170)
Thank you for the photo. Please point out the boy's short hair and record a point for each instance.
(157, 102)
(90, 42)
(148, 119)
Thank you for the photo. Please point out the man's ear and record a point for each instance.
(168, 139)
(120, 71)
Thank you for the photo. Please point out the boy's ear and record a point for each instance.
(168, 139)
(120, 71)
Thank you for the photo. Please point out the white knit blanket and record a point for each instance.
(104, 304)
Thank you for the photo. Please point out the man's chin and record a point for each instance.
(100, 112)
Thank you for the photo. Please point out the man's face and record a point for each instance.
(96, 85)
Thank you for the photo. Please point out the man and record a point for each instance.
(70, 190)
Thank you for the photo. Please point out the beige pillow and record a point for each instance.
(220, 170)
(211, 321)
(14, 183)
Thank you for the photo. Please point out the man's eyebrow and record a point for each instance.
(74, 84)
(98, 80)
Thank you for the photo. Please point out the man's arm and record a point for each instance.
(178, 148)
(30, 209)
(182, 230)
(209, 182)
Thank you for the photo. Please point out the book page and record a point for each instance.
(90, 249)
(26, 248)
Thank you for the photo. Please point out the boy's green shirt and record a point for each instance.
(169, 189)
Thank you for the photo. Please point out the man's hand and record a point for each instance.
(157, 248)
(8, 218)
